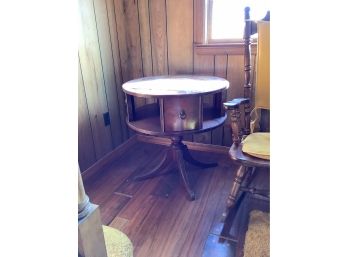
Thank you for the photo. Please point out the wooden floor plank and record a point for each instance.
(227, 168)
(140, 199)
(119, 223)
(129, 186)
(187, 221)
(111, 207)
(196, 243)
(108, 180)
(155, 214)
(147, 231)
(172, 206)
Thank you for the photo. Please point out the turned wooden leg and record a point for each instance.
(232, 197)
(233, 202)
(167, 158)
(245, 176)
(228, 220)
(251, 173)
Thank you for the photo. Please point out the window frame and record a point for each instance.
(202, 31)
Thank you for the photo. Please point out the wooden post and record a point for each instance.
(250, 29)
(91, 241)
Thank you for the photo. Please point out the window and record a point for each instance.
(219, 24)
(225, 18)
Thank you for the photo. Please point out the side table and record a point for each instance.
(178, 110)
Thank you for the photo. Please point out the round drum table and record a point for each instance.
(178, 109)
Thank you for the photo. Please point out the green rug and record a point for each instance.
(257, 238)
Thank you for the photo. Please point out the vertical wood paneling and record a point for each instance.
(145, 39)
(92, 74)
(108, 70)
(85, 138)
(128, 36)
(180, 36)
(117, 66)
(145, 36)
(199, 10)
(158, 25)
(235, 76)
(220, 70)
(127, 22)
(204, 65)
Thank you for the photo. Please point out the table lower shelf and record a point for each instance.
(152, 126)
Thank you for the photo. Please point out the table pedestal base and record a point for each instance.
(177, 152)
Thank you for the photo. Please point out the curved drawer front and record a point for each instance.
(182, 113)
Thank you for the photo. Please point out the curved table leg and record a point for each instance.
(178, 153)
(188, 157)
(167, 158)
(178, 157)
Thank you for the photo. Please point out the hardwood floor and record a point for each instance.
(155, 213)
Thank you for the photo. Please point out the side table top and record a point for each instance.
(176, 85)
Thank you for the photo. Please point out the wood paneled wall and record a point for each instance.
(100, 81)
(125, 39)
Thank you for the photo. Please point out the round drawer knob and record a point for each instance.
(182, 115)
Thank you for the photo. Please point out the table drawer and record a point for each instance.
(181, 113)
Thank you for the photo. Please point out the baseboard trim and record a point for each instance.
(108, 158)
(191, 145)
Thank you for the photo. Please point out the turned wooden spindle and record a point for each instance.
(235, 117)
(248, 31)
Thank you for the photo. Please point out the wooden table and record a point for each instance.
(178, 108)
